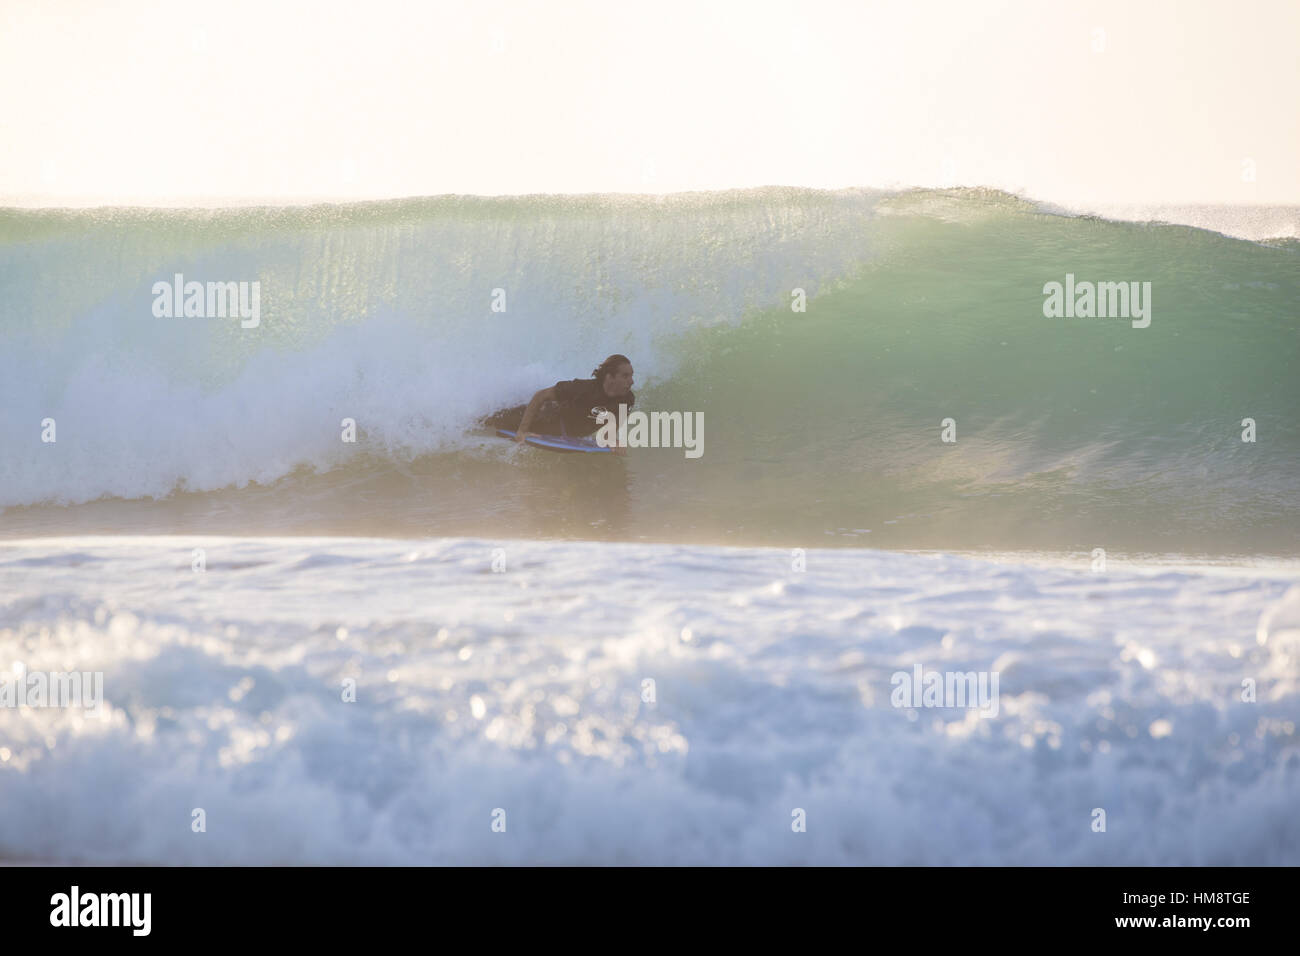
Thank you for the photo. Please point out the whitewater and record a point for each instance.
(434, 646)
(497, 675)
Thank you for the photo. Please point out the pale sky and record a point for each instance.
(156, 103)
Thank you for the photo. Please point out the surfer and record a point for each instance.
(574, 408)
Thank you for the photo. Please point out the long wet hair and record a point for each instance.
(609, 367)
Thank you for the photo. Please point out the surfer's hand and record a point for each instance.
(620, 450)
(521, 436)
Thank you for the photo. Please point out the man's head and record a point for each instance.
(615, 375)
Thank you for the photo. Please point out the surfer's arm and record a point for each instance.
(617, 448)
(545, 395)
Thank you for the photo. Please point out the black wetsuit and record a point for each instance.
(572, 412)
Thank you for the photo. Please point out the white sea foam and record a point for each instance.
(523, 690)
(1250, 222)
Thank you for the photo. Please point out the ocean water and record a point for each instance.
(524, 689)
(821, 427)
(651, 659)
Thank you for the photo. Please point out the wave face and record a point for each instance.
(822, 427)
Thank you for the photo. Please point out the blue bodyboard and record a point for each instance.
(557, 442)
